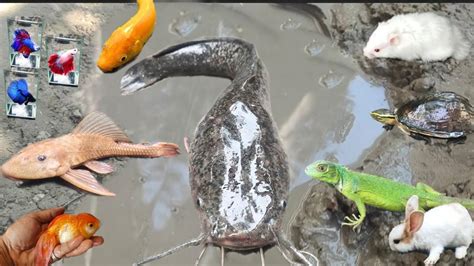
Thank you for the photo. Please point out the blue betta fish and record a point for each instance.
(23, 44)
(18, 92)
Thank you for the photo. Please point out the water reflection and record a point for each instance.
(355, 130)
(153, 195)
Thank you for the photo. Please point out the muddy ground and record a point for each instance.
(448, 168)
(316, 227)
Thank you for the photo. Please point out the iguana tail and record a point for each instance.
(468, 203)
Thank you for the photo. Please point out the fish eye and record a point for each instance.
(41, 158)
(396, 241)
(90, 225)
(322, 168)
(123, 58)
(377, 50)
(198, 202)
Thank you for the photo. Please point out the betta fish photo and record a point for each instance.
(23, 44)
(63, 62)
(18, 92)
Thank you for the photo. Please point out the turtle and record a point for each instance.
(444, 115)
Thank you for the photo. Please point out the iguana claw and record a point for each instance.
(355, 221)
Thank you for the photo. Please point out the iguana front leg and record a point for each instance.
(356, 221)
(424, 187)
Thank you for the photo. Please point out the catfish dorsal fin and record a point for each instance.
(97, 123)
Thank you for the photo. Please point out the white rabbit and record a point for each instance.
(425, 36)
(448, 225)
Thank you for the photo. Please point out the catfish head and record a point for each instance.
(36, 161)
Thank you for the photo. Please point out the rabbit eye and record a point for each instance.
(396, 241)
(377, 50)
(41, 158)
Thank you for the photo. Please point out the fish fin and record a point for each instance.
(24, 50)
(99, 167)
(30, 99)
(68, 66)
(167, 149)
(85, 180)
(54, 66)
(44, 248)
(97, 123)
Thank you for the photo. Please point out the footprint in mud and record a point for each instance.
(331, 79)
(229, 31)
(184, 24)
(314, 48)
(290, 24)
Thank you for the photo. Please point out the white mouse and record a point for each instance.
(445, 226)
(426, 36)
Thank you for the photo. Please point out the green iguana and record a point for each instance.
(376, 191)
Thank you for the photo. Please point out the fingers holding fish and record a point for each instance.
(46, 216)
(76, 247)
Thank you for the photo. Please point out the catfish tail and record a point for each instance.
(313, 11)
(230, 58)
(44, 248)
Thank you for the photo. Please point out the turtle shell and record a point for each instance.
(442, 115)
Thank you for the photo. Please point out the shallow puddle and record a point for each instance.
(319, 99)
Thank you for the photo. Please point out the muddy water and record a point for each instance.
(319, 99)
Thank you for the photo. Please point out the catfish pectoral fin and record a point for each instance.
(99, 167)
(85, 180)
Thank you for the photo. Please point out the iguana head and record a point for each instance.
(325, 171)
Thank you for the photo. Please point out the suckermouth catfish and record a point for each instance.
(239, 173)
(95, 137)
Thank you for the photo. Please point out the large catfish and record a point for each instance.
(238, 169)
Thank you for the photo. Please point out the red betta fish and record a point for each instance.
(62, 63)
(62, 229)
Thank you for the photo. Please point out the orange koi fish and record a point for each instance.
(95, 137)
(127, 41)
(64, 228)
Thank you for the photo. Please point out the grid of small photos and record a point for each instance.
(21, 81)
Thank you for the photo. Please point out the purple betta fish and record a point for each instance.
(23, 44)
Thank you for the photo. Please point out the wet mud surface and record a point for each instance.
(321, 94)
(449, 168)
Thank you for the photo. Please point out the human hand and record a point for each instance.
(20, 238)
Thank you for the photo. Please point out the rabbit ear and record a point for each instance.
(411, 206)
(415, 221)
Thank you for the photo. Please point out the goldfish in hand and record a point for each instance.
(127, 41)
(95, 137)
(62, 229)
(62, 63)
(18, 92)
(22, 43)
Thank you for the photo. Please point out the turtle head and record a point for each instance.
(325, 171)
(384, 116)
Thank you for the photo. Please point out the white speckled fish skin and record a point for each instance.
(238, 169)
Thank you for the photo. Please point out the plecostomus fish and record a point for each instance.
(239, 173)
(95, 137)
